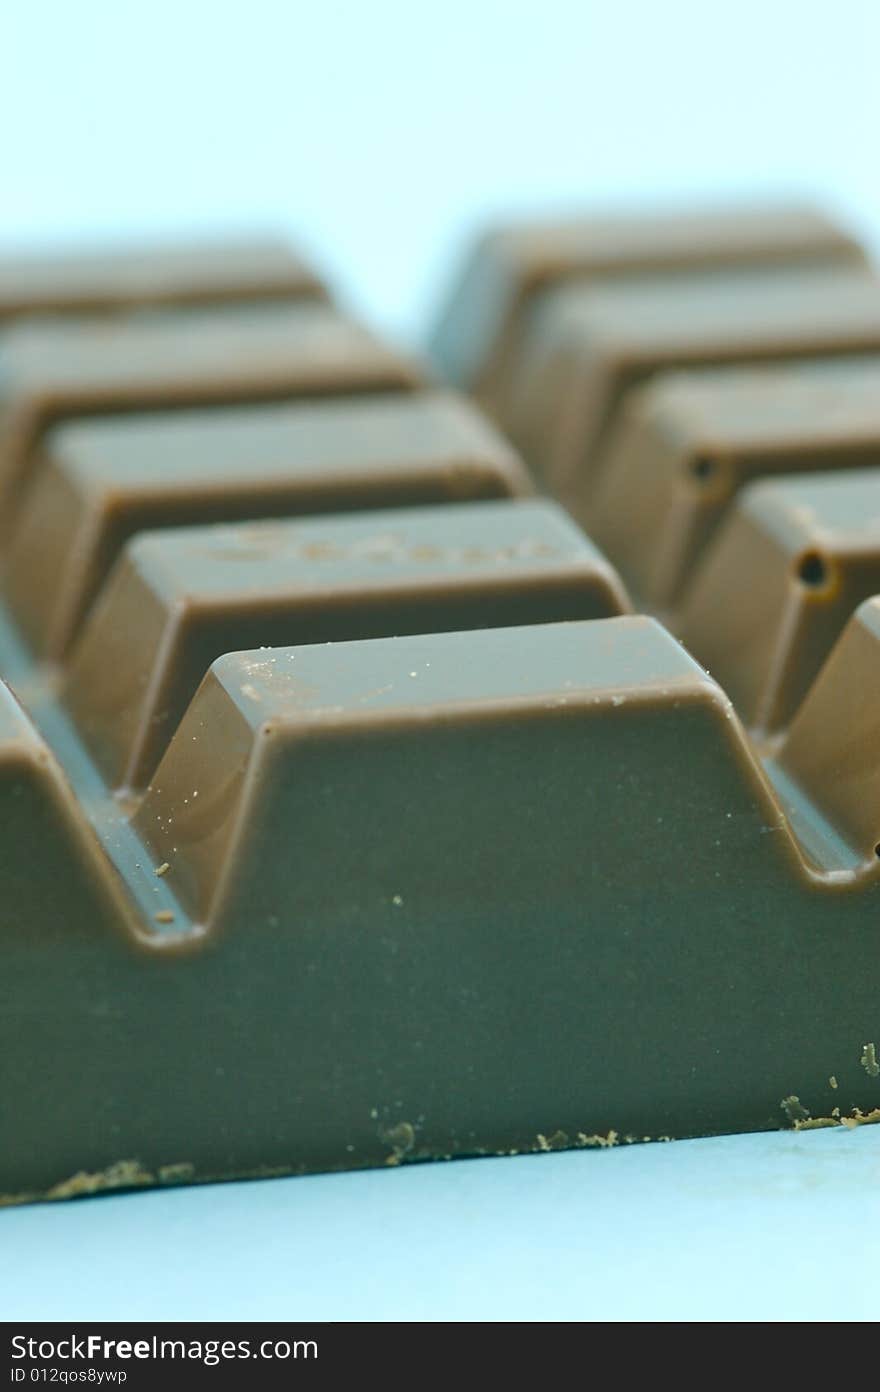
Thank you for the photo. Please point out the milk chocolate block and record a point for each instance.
(180, 599)
(776, 587)
(487, 317)
(113, 279)
(440, 895)
(102, 481)
(685, 444)
(52, 372)
(591, 344)
(309, 733)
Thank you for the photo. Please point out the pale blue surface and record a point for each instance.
(383, 133)
(777, 1227)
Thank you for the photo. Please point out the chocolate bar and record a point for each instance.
(426, 896)
(353, 817)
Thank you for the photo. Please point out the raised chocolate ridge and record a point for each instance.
(62, 371)
(591, 345)
(181, 599)
(111, 279)
(686, 444)
(96, 483)
(487, 319)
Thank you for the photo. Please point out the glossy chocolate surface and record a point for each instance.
(97, 483)
(53, 372)
(351, 815)
(591, 346)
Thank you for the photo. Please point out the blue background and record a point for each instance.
(382, 134)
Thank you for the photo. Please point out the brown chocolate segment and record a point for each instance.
(52, 372)
(831, 752)
(685, 444)
(137, 277)
(178, 600)
(591, 344)
(104, 480)
(547, 867)
(302, 733)
(487, 317)
(778, 584)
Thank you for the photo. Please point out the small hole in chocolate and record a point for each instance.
(703, 468)
(877, 850)
(812, 570)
